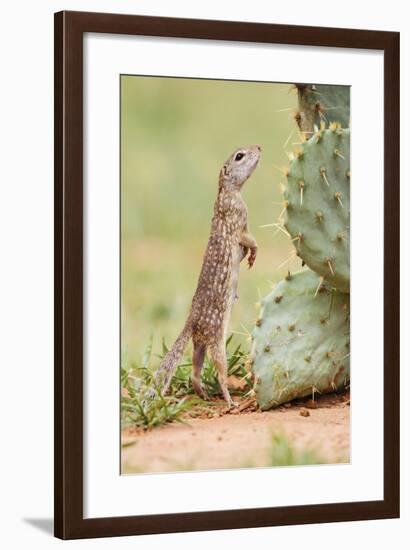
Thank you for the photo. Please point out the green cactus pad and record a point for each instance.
(322, 103)
(300, 341)
(317, 200)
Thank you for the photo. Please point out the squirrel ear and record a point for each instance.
(225, 170)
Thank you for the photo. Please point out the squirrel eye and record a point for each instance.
(239, 156)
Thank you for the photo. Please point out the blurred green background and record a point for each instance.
(175, 136)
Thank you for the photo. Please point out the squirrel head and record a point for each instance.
(239, 167)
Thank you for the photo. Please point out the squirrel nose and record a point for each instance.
(258, 147)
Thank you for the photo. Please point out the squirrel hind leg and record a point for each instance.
(198, 357)
(218, 356)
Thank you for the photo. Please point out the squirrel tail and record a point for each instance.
(170, 361)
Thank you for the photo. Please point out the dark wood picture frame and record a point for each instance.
(69, 30)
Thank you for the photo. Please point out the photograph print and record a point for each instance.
(235, 274)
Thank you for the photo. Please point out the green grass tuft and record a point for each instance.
(284, 453)
(139, 410)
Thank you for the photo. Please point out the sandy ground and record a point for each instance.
(241, 439)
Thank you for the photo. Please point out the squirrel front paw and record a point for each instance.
(252, 257)
(244, 251)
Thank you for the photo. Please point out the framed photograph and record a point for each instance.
(226, 275)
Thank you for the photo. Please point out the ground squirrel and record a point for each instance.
(229, 243)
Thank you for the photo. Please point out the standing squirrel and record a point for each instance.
(229, 243)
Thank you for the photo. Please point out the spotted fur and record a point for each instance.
(229, 243)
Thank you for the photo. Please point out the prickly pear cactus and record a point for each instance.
(322, 103)
(300, 341)
(317, 204)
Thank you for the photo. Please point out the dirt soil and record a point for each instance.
(241, 438)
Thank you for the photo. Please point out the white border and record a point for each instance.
(106, 492)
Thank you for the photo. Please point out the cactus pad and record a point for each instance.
(300, 341)
(317, 201)
(322, 103)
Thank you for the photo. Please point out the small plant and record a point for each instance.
(140, 411)
(137, 409)
(181, 381)
(140, 407)
(284, 453)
